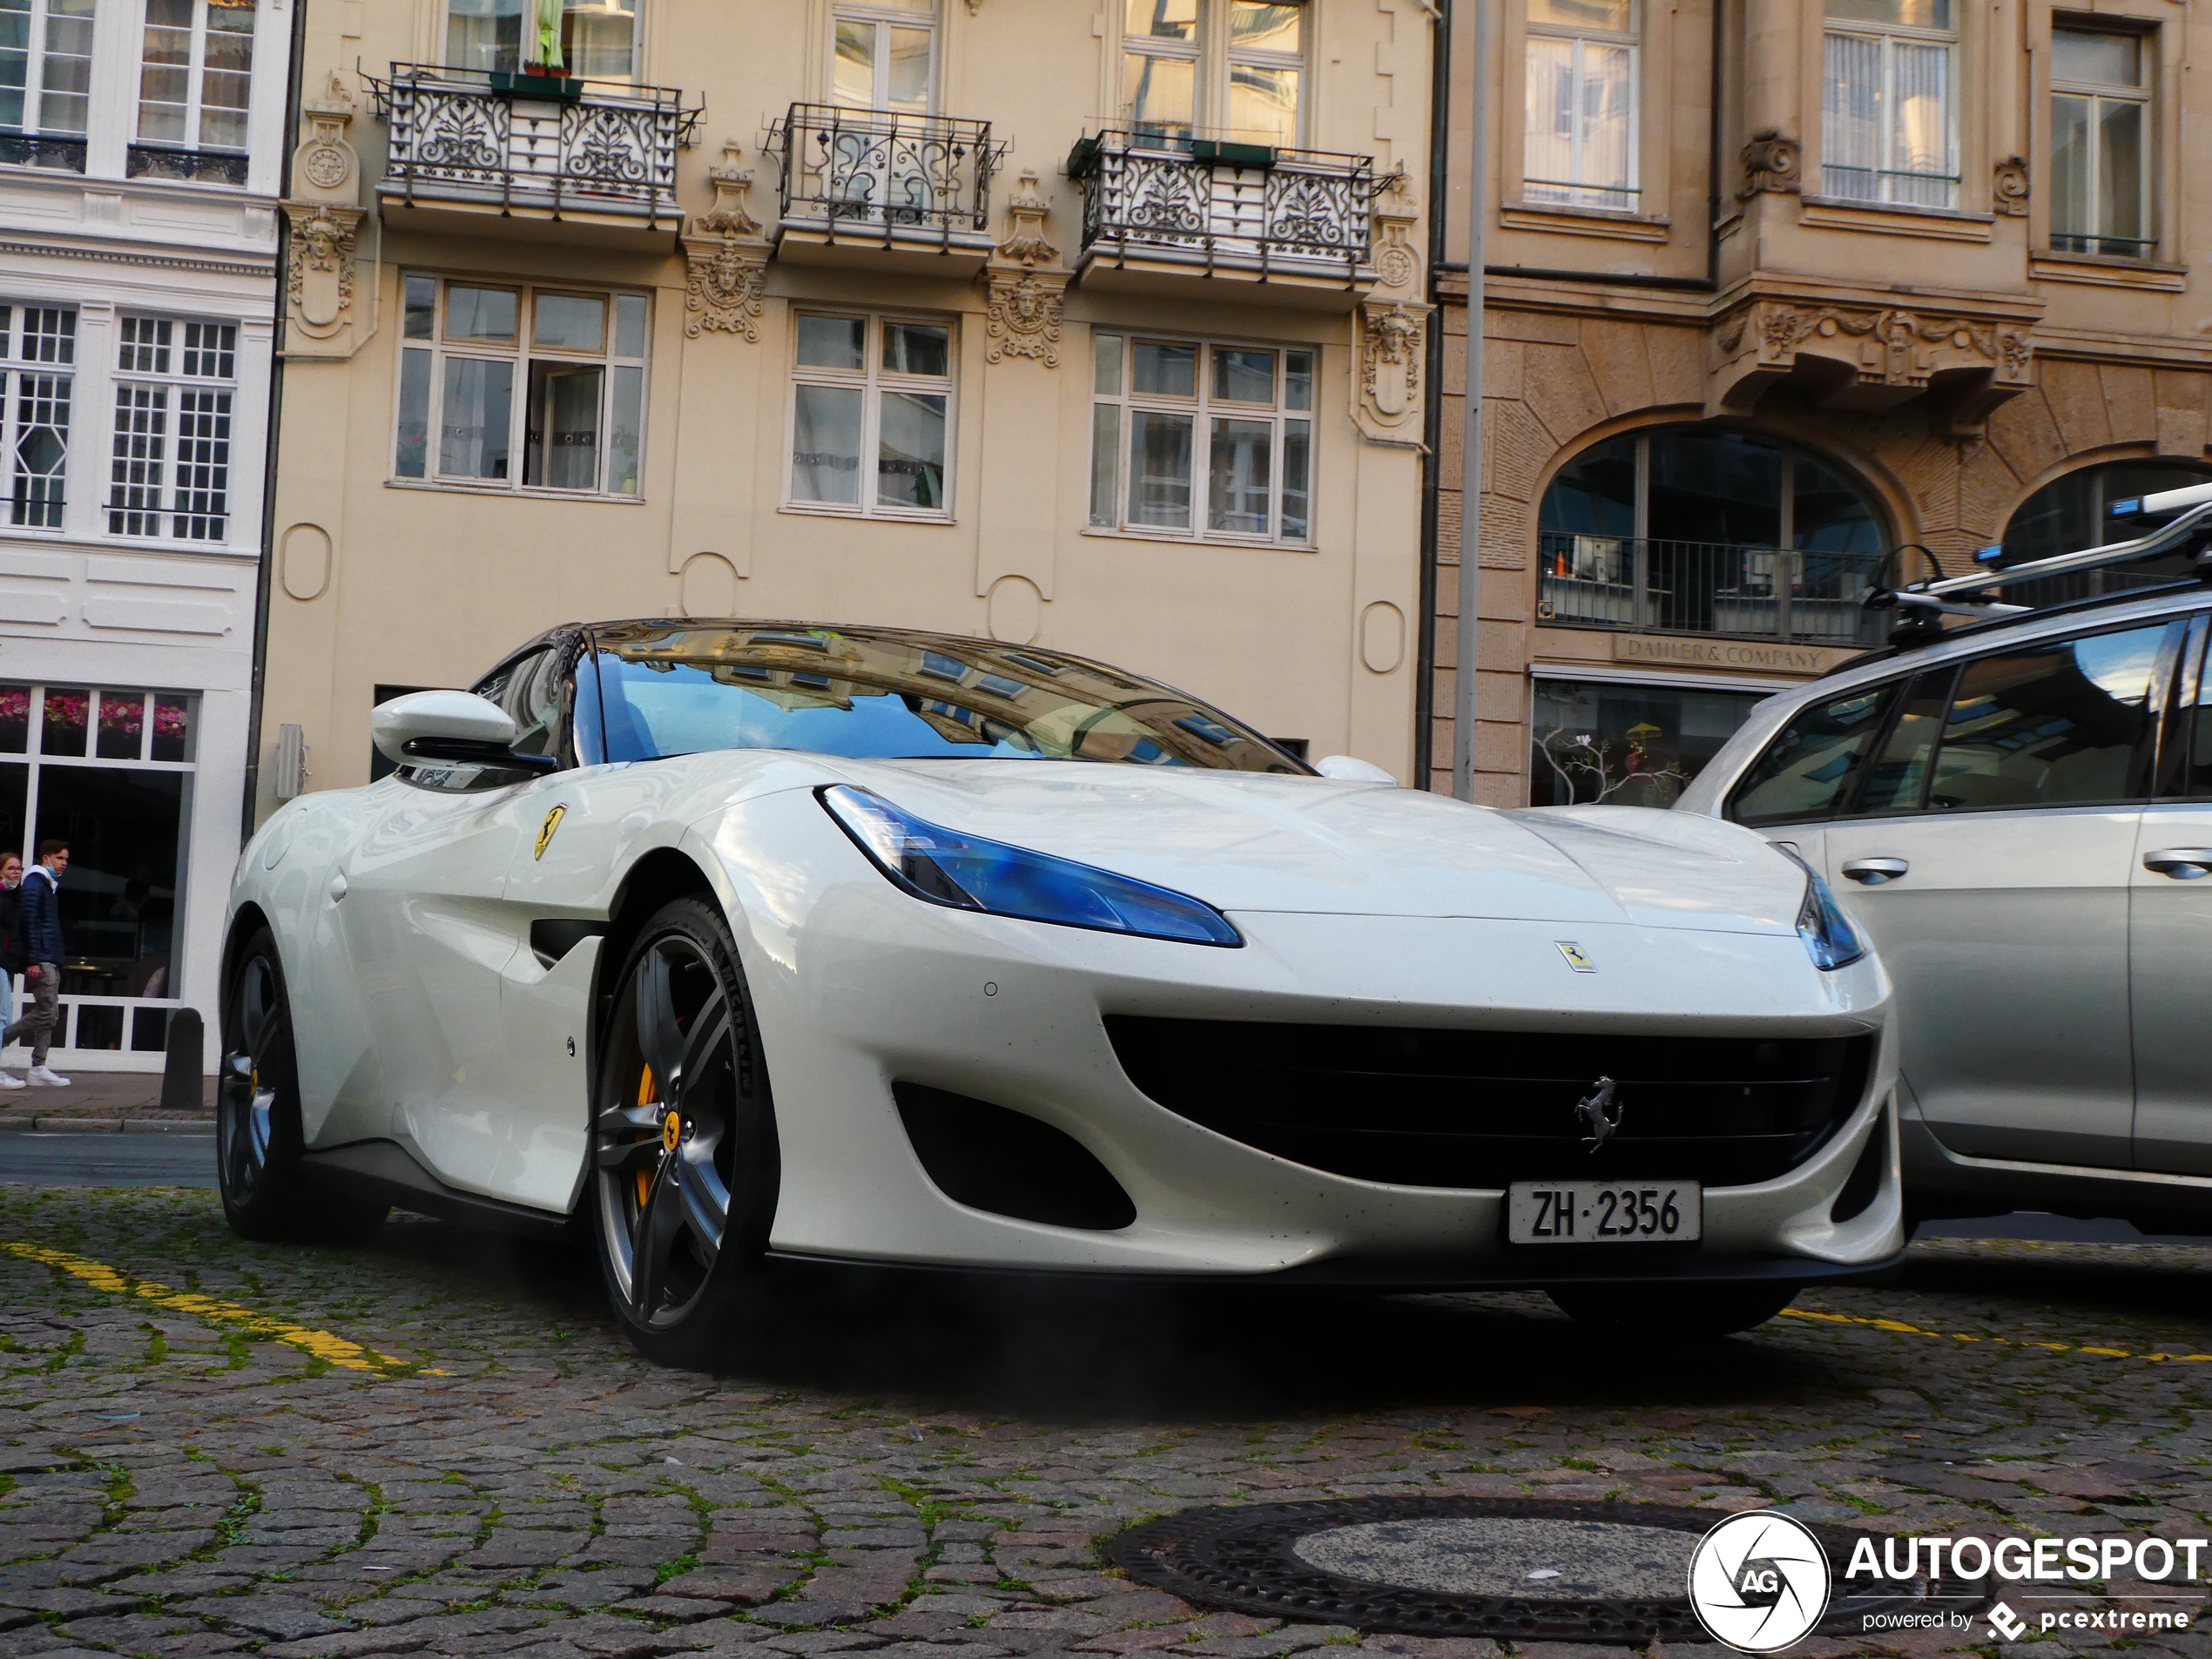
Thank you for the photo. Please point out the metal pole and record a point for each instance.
(1471, 459)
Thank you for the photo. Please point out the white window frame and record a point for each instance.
(874, 381)
(1892, 182)
(1578, 191)
(883, 19)
(522, 353)
(195, 86)
(1204, 409)
(2097, 93)
(525, 44)
(37, 371)
(35, 89)
(173, 455)
(1215, 64)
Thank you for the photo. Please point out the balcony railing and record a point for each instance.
(1723, 588)
(1248, 208)
(884, 175)
(577, 145)
(36, 150)
(191, 166)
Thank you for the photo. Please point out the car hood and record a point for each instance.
(1260, 842)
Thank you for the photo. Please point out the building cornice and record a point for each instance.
(261, 267)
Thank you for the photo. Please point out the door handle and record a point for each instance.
(337, 886)
(1874, 872)
(2182, 863)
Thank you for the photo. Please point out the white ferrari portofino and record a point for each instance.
(726, 942)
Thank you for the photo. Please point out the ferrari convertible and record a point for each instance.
(720, 944)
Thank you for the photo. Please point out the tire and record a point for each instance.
(258, 1138)
(1680, 1313)
(685, 1164)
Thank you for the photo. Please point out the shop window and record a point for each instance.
(1228, 69)
(2074, 512)
(884, 57)
(110, 772)
(2100, 143)
(1626, 745)
(45, 76)
(1889, 128)
(196, 74)
(871, 415)
(539, 389)
(1211, 441)
(170, 473)
(1579, 147)
(597, 39)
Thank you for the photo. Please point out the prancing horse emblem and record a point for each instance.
(545, 830)
(1599, 1113)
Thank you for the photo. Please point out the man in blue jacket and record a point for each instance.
(42, 978)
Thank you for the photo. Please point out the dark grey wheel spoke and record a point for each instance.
(659, 1037)
(710, 1031)
(706, 1200)
(617, 1158)
(659, 1220)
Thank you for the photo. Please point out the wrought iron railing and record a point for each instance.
(884, 175)
(605, 146)
(1719, 588)
(35, 150)
(193, 166)
(1249, 207)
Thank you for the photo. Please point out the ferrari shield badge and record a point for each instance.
(1576, 957)
(545, 830)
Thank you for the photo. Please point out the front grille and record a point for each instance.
(1480, 1109)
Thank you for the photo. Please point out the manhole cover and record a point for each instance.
(1491, 1567)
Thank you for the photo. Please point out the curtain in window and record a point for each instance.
(1581, 123)
(1886, 130)
(1921, 141)
(1851, 131)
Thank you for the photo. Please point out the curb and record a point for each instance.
(108, 1125)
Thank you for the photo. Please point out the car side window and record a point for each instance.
(1898, 782)
(2192, 777)
(2060, 724)
(1807, 771)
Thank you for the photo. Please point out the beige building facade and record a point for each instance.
(1781, 296)
(1102, 326)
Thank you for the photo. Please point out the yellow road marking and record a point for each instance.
(1903, 1329)
(339, 1351)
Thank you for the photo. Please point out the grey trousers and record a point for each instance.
(37, 1026)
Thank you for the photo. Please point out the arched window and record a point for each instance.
(1706, 530)
(2074, 512)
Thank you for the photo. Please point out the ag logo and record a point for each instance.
(1759, 1581)
(545, 830)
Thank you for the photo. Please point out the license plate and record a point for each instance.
(1603, 1212)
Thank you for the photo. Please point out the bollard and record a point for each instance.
(180, 1085)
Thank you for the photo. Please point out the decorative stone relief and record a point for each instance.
(1396, 264)
(727, 260)
(1022, 309)
(1871, 357)
(2009, 186)
(326, 221)
(1394, 341)
(1772, 163)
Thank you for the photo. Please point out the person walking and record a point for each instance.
(12, 959)
(42, 975)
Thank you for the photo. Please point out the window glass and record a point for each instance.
(570, 322)
(1625, 746)
(1615, 16)
(597, 38)
(916, 349)
(2057, 726)
(825, 445)
(1159, 482)
(170, 463)
(2074, 512)
(668, 689)
(421, 308)
(2097, 56)
(1243, 377)
(1298, 377)
(1228, 68)
(883, 55)
(1169, 370)
(1912, 14)
(1106, 364)
(1238, 489)
(45, 72)
(62, 722)
(561, 434)
(1163, 19)
(2100, 152)
(473, 430)
(1900, 779)
(1807, 771)
(1579, 105)
(866, 384)
(480, 314)
(832, 342)
(1888, 120)
(910, 451)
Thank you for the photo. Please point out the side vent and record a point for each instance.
(1009, 1164)
(1865, 1181)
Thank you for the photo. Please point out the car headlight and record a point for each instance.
(967, 873)
(1831, 939)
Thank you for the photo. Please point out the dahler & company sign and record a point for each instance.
(1775, 658)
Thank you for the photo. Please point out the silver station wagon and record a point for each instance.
(2018, 813)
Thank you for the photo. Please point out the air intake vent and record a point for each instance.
(1009, 1164)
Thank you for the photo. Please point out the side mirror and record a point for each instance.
(1352, 769)
(456, 728)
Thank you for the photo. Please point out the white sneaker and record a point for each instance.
(6, 1082)
(45, 1077)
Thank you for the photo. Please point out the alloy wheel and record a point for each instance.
(663, 1143)
(246, 1117)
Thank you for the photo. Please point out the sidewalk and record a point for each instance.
(126, 1101)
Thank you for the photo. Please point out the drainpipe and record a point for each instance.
(1439, 138)
(1471, 460)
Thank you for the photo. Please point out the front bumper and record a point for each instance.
(857, 987)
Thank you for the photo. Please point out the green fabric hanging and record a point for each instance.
(548, 35)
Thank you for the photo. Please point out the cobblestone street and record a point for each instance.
(437, 1445)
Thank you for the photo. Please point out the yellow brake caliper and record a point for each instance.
(644, 1098)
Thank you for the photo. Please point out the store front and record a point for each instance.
(1626, 742)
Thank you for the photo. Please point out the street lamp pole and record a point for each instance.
(1471, 456)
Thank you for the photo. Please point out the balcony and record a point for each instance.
(1719, 589)
(1200, 218)
(480, 153)
(186, 166)
(883, 190)
(36, 150)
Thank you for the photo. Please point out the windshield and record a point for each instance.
(670, 690)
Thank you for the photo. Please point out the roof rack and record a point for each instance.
(1921, 605)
